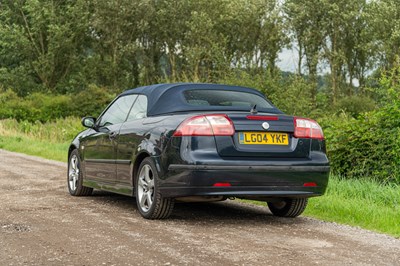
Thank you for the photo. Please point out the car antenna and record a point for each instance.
(254, 110)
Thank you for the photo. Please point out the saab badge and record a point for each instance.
(265, 125)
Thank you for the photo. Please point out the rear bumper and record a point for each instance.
(245, 180)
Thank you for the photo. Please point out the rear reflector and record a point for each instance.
(307, 128)
(206, 125)
(222, 185)
(310, 184)
(262, 117)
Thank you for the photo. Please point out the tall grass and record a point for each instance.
(365, 203)
(60, 130)
(49, 140)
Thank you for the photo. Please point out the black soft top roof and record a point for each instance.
(169, 98)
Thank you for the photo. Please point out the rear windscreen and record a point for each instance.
(225, 98)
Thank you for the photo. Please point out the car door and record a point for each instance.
(99, 148)
(131, 135)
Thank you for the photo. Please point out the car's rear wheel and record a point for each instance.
(290, 207)
(75, 178)
(150, 202)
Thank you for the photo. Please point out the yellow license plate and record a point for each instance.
(268, 138)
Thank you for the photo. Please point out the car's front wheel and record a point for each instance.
(150, 202)
(75, 178)
(290, 207)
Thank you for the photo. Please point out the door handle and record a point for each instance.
(113, 135)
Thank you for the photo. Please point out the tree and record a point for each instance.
(384, 18)
(273, 33)
(307, 21)
(119, 42)
(41, 42)
(170, 26)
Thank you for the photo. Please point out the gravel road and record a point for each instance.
(40, 224)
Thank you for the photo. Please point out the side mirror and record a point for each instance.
(88, 121)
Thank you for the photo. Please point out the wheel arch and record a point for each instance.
(70, 149)
(139, 159)
(75, 144)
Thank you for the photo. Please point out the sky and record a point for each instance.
(287, 60)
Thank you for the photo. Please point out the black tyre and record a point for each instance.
(290, 207)
(150, 202)
(74, 177)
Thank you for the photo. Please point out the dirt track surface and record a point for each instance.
(40, 224)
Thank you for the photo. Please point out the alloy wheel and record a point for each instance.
(146, 188)
(73, 173)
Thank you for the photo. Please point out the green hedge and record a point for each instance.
(366, 147)
(47, 107)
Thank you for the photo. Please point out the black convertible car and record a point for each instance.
(199, 142)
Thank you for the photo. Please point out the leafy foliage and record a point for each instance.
(35, 107)
(355, 105)
(89, 102)
(46, 107)
(366, 147)
(42, 42)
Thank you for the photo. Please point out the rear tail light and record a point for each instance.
(206, 125)
(307, 128)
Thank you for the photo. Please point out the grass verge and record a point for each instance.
(50, 140)
(362, 203)
(22, 144)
